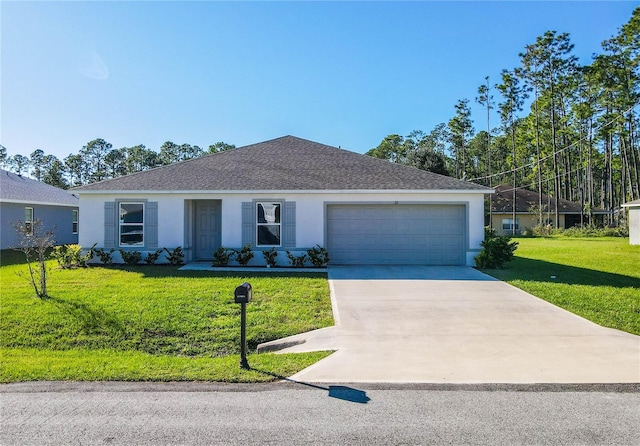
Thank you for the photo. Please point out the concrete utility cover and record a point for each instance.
(457, 325)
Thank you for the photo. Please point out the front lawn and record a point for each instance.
(596, 278)
(152, 323)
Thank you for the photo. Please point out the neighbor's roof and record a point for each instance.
(632, 204)
(18, 189)
(283, 164)
(526, 200)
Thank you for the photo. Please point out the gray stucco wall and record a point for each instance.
(58, 218)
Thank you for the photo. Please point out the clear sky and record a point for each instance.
(341, 73)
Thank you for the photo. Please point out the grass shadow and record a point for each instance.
(91, 320)
(162, 271)
(339, 392)
(10, 257)
(541, 271)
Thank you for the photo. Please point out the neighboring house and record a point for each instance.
(634, 221)
(23, 199)
(289, 194)
(527, 203)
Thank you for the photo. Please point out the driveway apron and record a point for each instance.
(456, 325)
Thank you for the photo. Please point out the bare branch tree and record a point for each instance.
(34, 241)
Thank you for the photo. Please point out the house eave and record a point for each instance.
(38, 203)
(284, 191)
(509, 212)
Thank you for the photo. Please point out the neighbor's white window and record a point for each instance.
(268, 224)
(28, 221)
(507, 224)
(131, 224)
(75, 222)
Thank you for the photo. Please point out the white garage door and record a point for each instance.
(403, 234)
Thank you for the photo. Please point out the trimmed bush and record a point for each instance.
(175, 257)
(496, 252)
(106, 257)
(592, 231)
(131, 257)
(489, 232)
(584, 231)
(88, 256)
(244, 255)
(318, 256)
(67, 256)
(152, 257)
(270, 256)
(222, 256)
(70, 256)
(297, 261)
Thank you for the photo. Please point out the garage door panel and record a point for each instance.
(396, 234)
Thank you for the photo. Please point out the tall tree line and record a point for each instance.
(98, 161)
(578, 141)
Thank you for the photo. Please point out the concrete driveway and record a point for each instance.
(456, 325)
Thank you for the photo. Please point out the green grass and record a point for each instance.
(596, 278)
(151, 323)
(110, 365)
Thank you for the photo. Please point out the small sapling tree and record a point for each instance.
(34, 241)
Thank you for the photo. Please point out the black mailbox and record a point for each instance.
(242, 294)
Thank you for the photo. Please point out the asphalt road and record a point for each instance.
(290, 413)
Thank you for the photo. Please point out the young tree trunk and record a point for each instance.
(538, 155)
(610, 179)
(42, 262)
(591, 186)
(515, 185)
(626, 187)
(556, 170)
(635, 167)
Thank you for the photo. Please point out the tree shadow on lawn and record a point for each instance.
(11, 257)
(540, 271)
(91, 320)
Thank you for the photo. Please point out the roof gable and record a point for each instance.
(283, 164)
(16, 188)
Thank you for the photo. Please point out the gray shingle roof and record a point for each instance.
(283, 164)
(18, 188)
(501, 202)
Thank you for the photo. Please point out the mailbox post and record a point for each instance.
(242, 296)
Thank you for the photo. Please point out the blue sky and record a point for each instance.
(341, 73)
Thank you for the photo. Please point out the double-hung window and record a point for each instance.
(507, 224)
(74, 223)
(131, 224)
(268, 224)
(28, 221)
